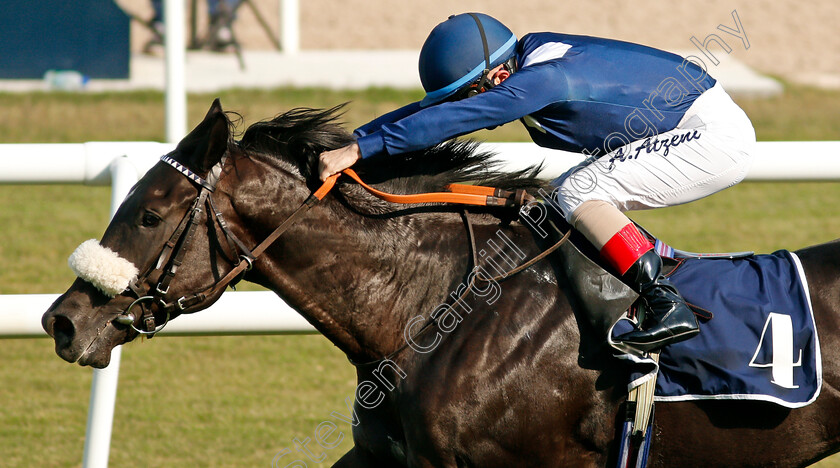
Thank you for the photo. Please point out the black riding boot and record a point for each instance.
(667, 318)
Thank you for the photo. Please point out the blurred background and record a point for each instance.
(793, 40)
(239, 400)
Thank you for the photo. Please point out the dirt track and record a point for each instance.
(792, 39)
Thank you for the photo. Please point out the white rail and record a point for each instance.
(236, 313)
(89, 163)
(290, 26)
(175, 52)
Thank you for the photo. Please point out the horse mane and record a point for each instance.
(301, 134)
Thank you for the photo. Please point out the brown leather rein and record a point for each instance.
(174, 250)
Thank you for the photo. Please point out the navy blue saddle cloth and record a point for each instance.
(761, 343)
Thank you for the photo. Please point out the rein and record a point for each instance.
(458, 194)
(174, 250)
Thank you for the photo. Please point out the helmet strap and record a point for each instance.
(484, 83)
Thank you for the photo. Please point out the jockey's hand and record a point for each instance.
(331, 162)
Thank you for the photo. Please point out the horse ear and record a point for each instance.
(207, 143)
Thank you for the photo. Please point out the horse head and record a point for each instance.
(200, 218)
(123, 290)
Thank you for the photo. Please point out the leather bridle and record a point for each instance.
(175, 249)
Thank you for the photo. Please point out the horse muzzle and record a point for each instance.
(82, 326)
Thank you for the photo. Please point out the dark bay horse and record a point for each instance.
(513, 375)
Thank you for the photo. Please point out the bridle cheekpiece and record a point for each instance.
(173, 252)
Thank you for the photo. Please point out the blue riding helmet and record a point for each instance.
(457, 53)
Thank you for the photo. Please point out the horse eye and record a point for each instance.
(150, 219)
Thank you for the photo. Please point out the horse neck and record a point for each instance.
(358, 279)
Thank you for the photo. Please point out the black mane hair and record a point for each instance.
(300, 135)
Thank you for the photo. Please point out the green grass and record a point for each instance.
(197, 401)
(41, 225)
(237, 401)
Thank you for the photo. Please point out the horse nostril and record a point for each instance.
(63, 330)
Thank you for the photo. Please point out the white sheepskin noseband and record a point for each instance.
(102, 267)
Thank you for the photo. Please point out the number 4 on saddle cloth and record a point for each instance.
(758, 343)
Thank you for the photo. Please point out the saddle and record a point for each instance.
(604, 300)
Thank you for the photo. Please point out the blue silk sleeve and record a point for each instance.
(526, 91)
(392, 116)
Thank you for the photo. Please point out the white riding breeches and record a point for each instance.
(710, 150)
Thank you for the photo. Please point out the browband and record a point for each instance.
(212, 176)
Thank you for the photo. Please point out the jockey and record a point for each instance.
(656, 129)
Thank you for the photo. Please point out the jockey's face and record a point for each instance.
(496, 76)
